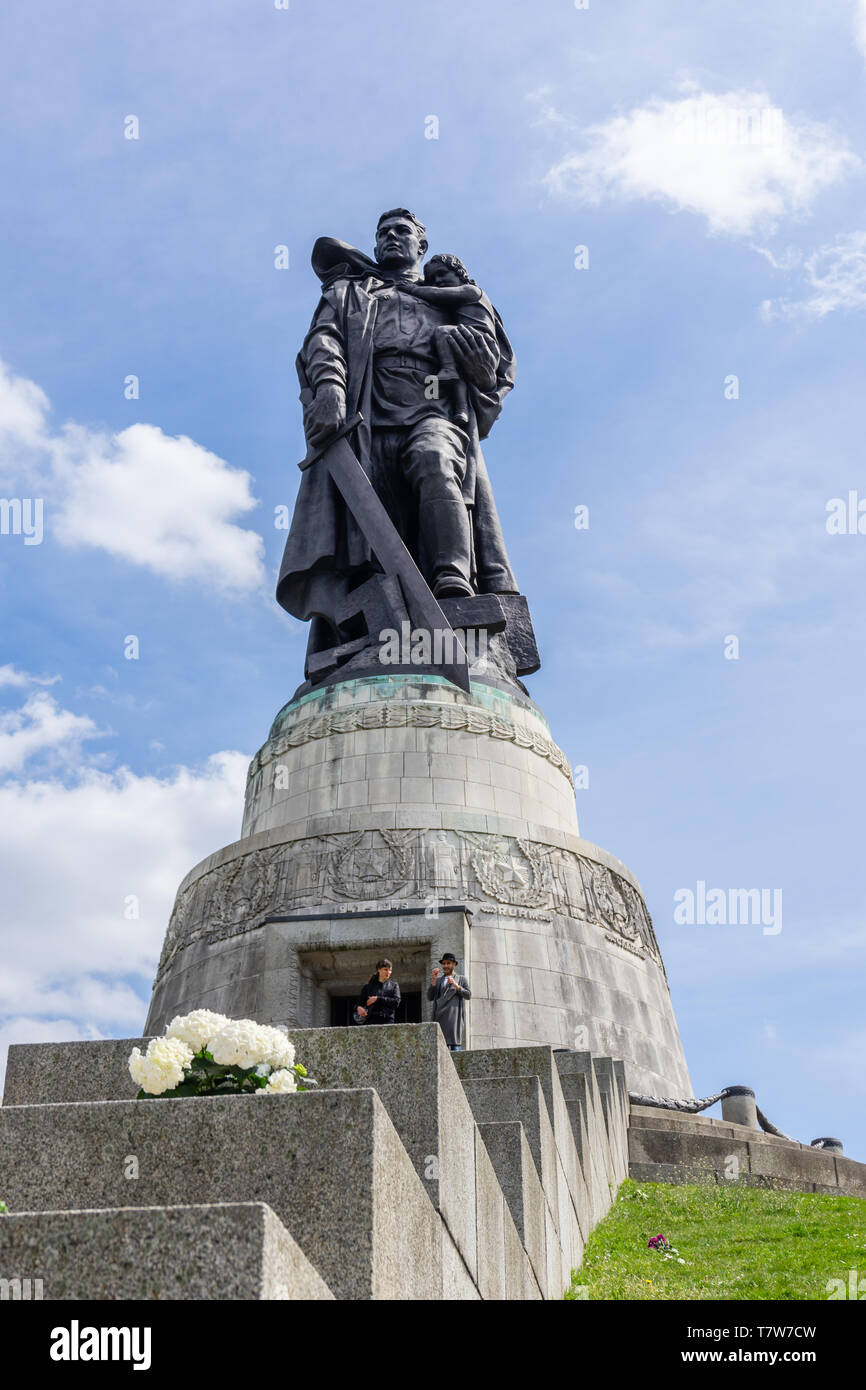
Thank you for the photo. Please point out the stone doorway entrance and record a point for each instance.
(331, 981)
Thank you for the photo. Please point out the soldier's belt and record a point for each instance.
(405, 359)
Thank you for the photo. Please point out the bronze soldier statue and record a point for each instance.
(373, 350)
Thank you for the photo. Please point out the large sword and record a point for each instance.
(386, 542)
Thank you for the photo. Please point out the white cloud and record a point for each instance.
(160, 502)
(789, 259)
(23, 408)
(835, 278)
(24, 1029)
(732, 158)
(165, 503)
(41, 726)
(74, 861)
(9, 675)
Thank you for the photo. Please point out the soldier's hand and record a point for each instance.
(325, 413)
(475, 358)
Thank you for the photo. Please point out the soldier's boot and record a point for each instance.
(446, 547)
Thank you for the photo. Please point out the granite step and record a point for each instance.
(231, 1250)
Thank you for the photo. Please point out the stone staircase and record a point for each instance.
(413, 1173)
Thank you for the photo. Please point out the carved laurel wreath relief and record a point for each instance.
(386, 867)
(421, 714)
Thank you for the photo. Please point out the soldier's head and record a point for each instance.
(400, 240)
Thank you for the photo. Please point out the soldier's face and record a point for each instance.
(399, 245)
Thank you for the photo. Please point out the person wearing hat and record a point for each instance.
(379, 999)
(447, 992)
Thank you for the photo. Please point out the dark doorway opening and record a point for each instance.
(343, 1006)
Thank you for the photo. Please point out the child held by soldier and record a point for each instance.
(447, 286)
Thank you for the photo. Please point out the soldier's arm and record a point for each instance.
(324, 350)
(324, 361)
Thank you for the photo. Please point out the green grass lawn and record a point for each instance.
(737, 1243)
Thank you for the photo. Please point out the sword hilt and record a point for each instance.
(346, 428)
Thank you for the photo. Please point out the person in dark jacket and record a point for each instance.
(379, 999)
(447, 993)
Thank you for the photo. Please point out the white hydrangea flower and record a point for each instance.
(281, 1052)
(241, 1043)
(196, 1029)
(280, 1082)
(162, 1066)
(136, 1066)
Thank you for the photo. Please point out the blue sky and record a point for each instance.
(556, 128)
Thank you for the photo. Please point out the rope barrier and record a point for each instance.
(694, 1107)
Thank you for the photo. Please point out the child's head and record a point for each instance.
(445, 269)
